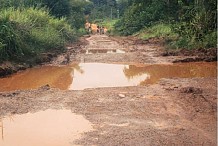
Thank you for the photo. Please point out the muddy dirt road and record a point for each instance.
(173, 104)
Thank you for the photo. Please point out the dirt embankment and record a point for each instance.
(56, 57)
(174, 56)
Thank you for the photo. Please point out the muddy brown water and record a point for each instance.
(44, 128)
(92, 75)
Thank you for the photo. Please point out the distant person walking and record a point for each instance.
(90, 29)
(98, 29)
(102, 30)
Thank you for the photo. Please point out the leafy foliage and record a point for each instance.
(193, 20)
(139, 15)
(77, 14)
(58, 8)
(21, 34)
(29, 27)
(159, 30)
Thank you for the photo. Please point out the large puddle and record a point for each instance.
(45, 128)
(92, 75)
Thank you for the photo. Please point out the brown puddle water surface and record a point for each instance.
(45, 128)
(92, 75)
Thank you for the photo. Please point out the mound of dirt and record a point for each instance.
(196, 55)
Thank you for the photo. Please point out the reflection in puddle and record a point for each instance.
(92, 75)
(45, 128)
(97, 51)
(104, 75)
(180, 70)
(58, 77)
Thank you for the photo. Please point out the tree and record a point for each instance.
(77, 12)
(122, 6)
(58, 8)
(195, 21)
(103, 8)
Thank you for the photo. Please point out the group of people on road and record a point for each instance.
(100, 29)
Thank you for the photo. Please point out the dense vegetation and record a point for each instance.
(184, 23)
(31, 27)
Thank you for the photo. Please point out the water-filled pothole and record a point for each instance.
(45, 128)
(108, 51)
(92, 75)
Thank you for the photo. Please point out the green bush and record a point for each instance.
(207, 41)
(192, 35)
(158, 30)
(193, 23)
(29, 31)
(210, 39)
(141, 14)
(11, 41)
(46, 38)
(81, 32)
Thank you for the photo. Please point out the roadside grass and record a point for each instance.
(174, 40)
(191, 42)
(27, 32)
(159, 30)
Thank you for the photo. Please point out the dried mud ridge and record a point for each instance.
(172, 112)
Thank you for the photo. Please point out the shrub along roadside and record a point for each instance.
(27, 32)
(158, 30)
(175, 40)
(194, 21)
